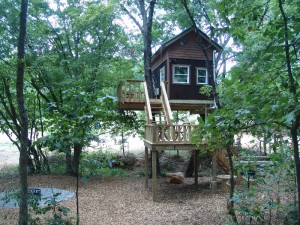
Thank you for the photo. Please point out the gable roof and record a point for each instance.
(182, 34)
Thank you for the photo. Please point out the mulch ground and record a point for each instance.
(125, 200)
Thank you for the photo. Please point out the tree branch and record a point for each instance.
(132, 18)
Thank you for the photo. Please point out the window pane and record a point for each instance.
(181, 74)
(180, 79)
(181, 70)
(201, 73)
(201, 80)
(201, 76)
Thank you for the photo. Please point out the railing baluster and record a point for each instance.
(189, 133)
(168, 134)
(184, 133)
(172, 132)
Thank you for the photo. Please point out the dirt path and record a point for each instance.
(124, 200)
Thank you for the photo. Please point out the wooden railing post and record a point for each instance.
(154, 175)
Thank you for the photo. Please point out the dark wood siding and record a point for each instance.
(187, 48)
(189, 91)
(184, 50)
(158, 60)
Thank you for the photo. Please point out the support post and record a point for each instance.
(154, 175)
(146, 167)
(214, 173)
(196, 165)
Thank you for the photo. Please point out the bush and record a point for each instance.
(273, 199)
(104, 164)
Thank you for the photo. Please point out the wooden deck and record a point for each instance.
(131, 94)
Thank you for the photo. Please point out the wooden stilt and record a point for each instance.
(146, 167)
(196, 165)
(214, 173)
(154, 175)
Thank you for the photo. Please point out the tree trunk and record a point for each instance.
(37, 163)
(76, 158)
(293, 85)
(147, 36)
(30, 164)
(231, 211)
(294, 135)
(190, 168)
(76, 161)
(69, 168)
(45, 167)
(23, 117)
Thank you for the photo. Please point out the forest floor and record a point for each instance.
(125, 200)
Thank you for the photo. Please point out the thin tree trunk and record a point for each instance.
(76, 158)
(37, 162)
(23, 138)
(69, 168)
(231, 211)
(294, 135)
(190, 168)
(77, 199)
(293, 90)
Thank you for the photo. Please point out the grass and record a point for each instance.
(97, 163)
(93, 163)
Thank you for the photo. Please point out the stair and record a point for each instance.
(158, 110)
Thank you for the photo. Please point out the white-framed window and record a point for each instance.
(202, 77)
(162, 75)
(181, 74)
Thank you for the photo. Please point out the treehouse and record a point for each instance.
(180, 67)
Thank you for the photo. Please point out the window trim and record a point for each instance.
(197, 75)
(188, 73)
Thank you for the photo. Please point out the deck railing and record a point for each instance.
(169, 134)
(131, 91)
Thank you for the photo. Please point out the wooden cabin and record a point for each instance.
(180, 68)
(181, 64)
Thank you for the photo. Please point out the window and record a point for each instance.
(202, 76)
(162, 76)
(181, 74)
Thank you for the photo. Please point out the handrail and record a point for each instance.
(148, 107)
(166, 103)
